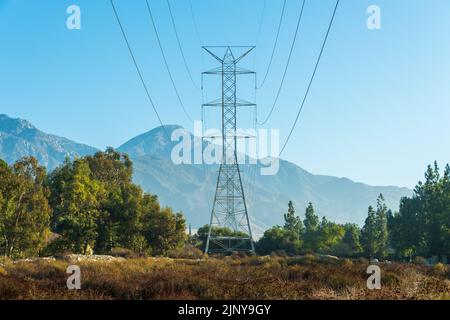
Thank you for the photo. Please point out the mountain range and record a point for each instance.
(19, 138)
(190, 188)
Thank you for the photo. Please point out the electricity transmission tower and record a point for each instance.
(229, 208)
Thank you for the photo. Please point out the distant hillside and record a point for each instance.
(19, 138)
(190, 188)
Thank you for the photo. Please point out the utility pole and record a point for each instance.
(229, 208)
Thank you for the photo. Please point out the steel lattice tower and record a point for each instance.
(229, 208)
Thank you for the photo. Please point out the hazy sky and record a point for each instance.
(378, 111)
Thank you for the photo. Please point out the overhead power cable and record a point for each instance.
(166, 63)
(137, 68)
(195, 22)
(312, 77)
(261, 21)
(274, 46)
(179, 45)
(287, 65)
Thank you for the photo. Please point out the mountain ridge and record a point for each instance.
(190, 188)
(19, 138)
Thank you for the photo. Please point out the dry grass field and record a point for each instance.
(225, 278)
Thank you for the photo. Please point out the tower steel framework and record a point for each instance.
(229, 207)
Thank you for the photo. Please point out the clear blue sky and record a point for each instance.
(378, 112)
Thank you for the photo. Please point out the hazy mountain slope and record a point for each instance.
(19, 138)
(190, 188)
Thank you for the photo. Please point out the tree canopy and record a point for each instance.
(89, 202)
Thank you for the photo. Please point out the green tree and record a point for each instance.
(24, 210)
(351, 239)
(78, 211)
(311, 222)
(276, 239)
(292, 223)
(96, 203)
(422, 226)
(164, 230)
(382, 228)
(119, 224)
(329, 234)
(287, 238)
(369, 234)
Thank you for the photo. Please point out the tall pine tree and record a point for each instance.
(311, 222)
(292, 223)
(382, 228)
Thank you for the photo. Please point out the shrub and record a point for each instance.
(347, 263)
(126, 253)
(3, 272)
(391, 279)
(440, 269)
(341, 249)
(310, 258)
(239, 255)
(296, 261)
(279, 253)
(4, 260)
(299, 260)
(186, 252)
(420, 260)
(58, 248)
(363, 261)
(340, 281)
(445, 296)
(256, 261)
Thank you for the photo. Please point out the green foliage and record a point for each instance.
(164, 230)
(351, 241)
(369, 234)
(186, 252)
(311, 222)
(293, 238)
(92, 202)
(422, 226)
(79, 208)
(24, 209)
(97, 204)
(329, 235)
(374, 235)
(94, 205)
(126, 253)
(293, 224)
(277, 239)
(202, 236)
(382, 227)
(286, 239)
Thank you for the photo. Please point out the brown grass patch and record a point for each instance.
(232, 278)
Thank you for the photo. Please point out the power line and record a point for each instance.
(165, 62)
(195, 23)
(199, 38)
(137, 69)
(287, 65)
(261, 21)
(312, 77)
(180, 47)
(274, 45)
